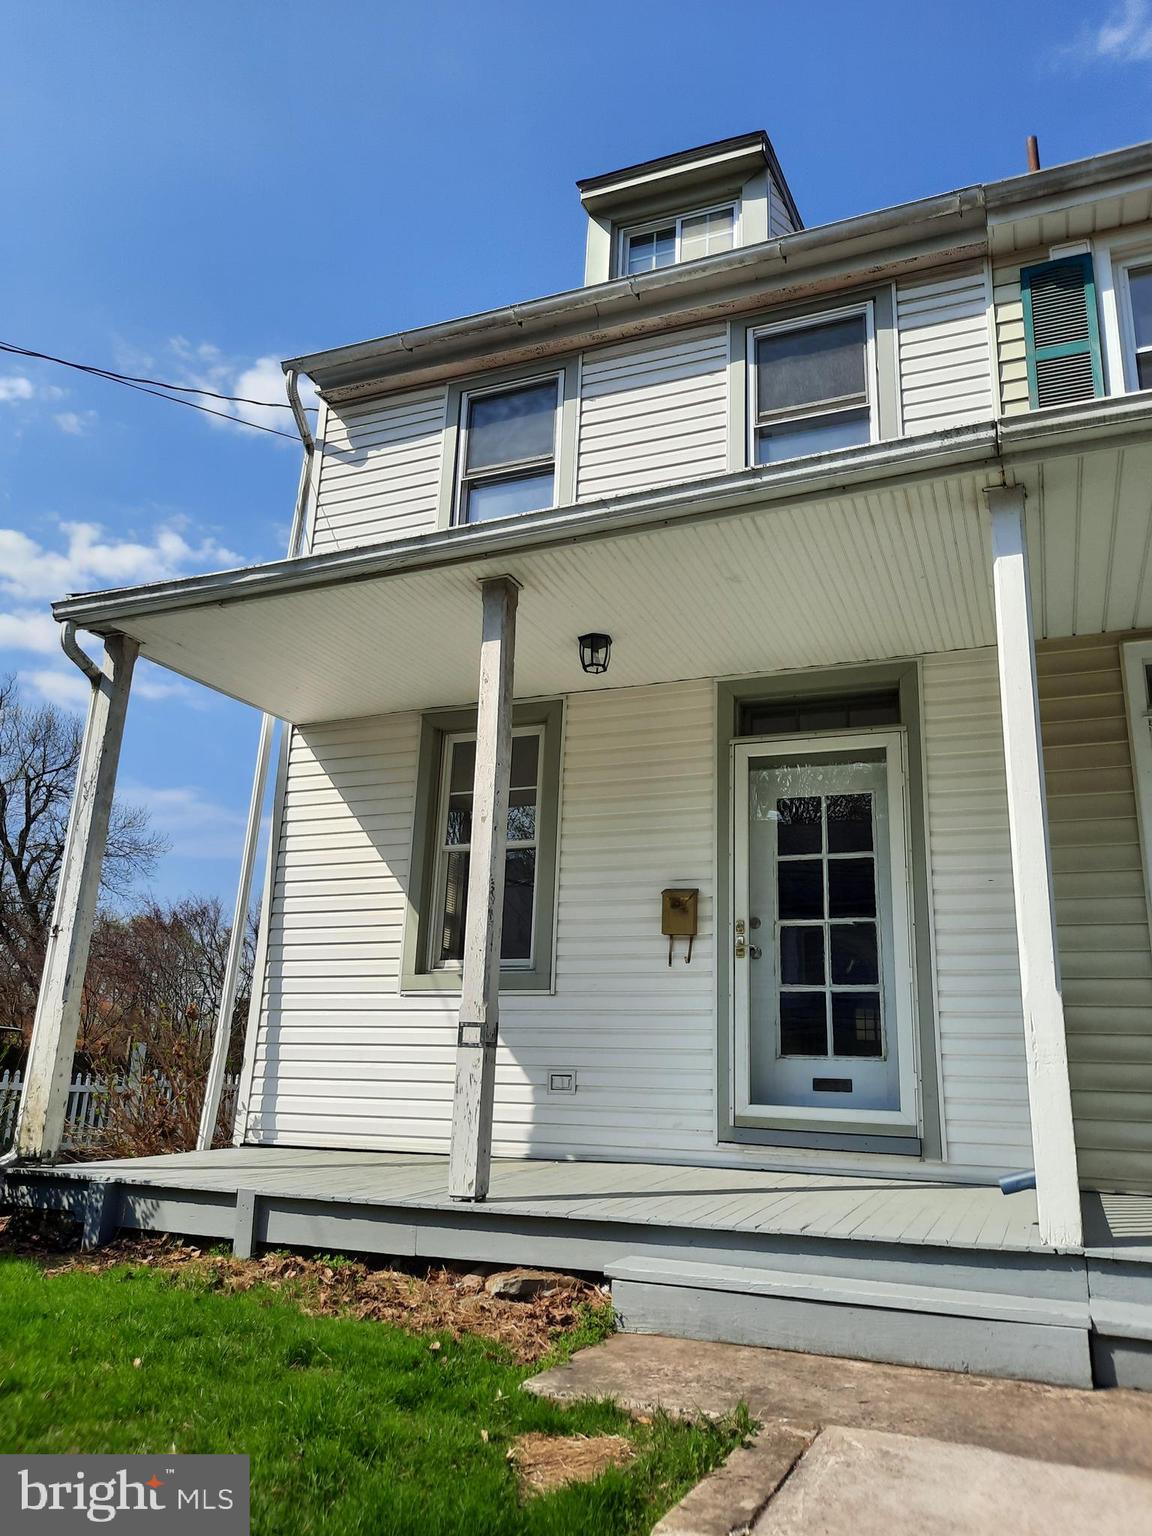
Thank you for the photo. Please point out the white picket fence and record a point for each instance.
(88, 1100)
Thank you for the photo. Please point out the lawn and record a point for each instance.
(352, 1427)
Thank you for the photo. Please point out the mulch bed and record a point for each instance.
(433, 1299)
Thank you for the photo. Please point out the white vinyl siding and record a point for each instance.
(1101, 910)
(979, 1009)
(944, 352)
(653, 412)
(379, 475)
(344, 1059)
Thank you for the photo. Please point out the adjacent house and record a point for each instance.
(712, 825)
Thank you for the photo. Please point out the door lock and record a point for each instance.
(741, 948)
(754, 951)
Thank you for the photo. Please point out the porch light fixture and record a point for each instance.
(594, 652)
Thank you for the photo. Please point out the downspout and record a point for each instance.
(231, 981)
(91, 670)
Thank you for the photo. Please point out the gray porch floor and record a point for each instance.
(832, 1207)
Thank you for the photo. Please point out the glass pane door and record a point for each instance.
(820, 992)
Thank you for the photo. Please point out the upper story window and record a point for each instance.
(664, 242)
(508, 457)
(811, 385)
(1140, 309)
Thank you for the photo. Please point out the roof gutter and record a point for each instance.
(867, 242)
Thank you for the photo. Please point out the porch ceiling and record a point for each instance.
(1089, 519)
(858, 577)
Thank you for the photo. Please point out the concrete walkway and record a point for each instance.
(852, 1448)
(859, 1482)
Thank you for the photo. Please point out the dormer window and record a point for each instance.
(685, 237)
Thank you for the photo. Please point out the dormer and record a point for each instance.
(686, 206)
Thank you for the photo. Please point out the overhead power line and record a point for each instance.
(158, 387)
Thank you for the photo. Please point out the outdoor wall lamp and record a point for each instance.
(594, 652)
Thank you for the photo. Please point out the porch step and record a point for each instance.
(988, 1332)
(1122, 1343)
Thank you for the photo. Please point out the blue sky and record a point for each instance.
(195, 191)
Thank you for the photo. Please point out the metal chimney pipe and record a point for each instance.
(1033, 153)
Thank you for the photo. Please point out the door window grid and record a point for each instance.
(453, 850)
(828, 1017)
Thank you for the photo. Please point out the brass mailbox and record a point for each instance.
(678, 918)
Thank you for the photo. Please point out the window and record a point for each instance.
(683, 238)
(437, 888)
(454, 825)
(1140, 311)
(833, 712)
(811, 386)
(508, 459)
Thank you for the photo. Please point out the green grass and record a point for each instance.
(352, 1427)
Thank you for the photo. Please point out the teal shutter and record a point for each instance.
(1061, 331)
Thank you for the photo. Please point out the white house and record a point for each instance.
(715, 781)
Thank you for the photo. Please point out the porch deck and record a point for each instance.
(595, 1196)
(929, 1273)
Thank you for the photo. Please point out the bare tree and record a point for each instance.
(39, 754)
(157, 983)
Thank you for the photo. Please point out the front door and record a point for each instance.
(823, 1013)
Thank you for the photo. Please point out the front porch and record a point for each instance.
(949, 1275)
(615, 1087)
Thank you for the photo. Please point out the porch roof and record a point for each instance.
(876, 552)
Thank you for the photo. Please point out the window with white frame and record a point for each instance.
(453, 848)
(1139, 288)
(685, 237)
(508, 450)
(811, 387)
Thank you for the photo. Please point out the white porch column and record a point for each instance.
(40, 1127)
(1045, 1045)
(471, 1152)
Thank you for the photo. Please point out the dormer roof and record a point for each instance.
(686, 174)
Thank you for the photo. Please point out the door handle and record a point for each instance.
(754, 951)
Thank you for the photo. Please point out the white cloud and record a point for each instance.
(195, 826)
(1126, 36)
(15, 387)
(206, 366)
(1123, 37)
(74, 423)
(67, 689)
(91, 560)
(29, 629)
(32, 574)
